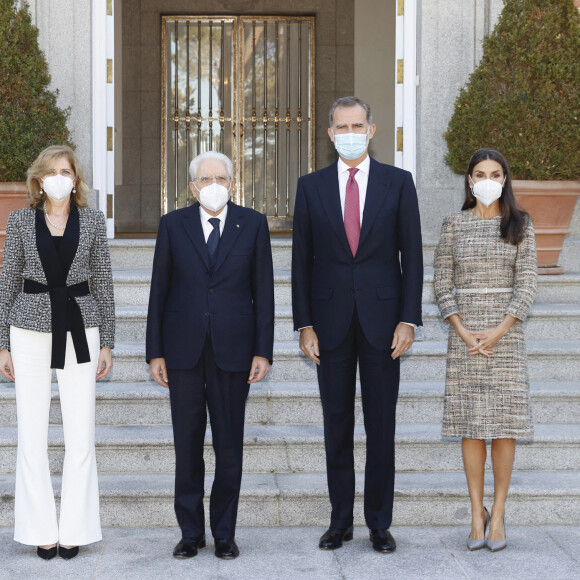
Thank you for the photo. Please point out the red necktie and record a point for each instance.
(352, 212)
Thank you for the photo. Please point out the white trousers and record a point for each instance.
(35, 509)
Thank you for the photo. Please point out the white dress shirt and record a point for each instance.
(362, 179)
(207, 227)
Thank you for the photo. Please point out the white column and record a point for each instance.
(406, 92)
(104, 109)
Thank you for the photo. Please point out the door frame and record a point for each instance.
(103, 96)
(406, 86)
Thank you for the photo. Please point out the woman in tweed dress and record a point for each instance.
(56, 312)
(487, 253)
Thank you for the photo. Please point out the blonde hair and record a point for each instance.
(43, 163)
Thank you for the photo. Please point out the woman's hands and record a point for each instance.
(105, 363)
(481, 341)
(6, 366)
(476, 340)
(487, 339)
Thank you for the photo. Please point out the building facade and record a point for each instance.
(135, 76)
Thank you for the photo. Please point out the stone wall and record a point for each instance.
(450, 35)
(450, 38)
(65, 38)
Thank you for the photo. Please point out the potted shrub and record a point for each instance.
(524, 100)
(30, 119)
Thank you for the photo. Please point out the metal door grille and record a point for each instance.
(243, 86)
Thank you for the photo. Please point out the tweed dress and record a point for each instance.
(485, 398)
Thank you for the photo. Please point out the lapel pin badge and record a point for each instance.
(237, 225)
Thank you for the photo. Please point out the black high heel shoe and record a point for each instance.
(68, 553)
(46, 553)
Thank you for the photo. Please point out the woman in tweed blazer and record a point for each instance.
(487, 253)
(56, 312)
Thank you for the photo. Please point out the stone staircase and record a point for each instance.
(284, 470)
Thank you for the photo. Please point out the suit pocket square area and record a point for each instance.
(322, 293)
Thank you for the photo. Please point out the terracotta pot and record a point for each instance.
(12, 196)
(551, 205)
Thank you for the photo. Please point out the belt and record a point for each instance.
(482, 290)
(65, 313)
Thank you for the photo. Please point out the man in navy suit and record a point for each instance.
(357, 275)
(210, 323)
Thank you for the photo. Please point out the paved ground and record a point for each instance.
(546, 552)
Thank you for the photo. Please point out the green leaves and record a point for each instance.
(524, 97)
(30, 119)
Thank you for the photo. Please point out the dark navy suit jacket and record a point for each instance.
(384, 279)
(235, 299)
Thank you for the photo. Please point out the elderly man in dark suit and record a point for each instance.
(210, 323)
(357, 274)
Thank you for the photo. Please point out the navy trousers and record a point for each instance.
(224, 394)
(379, 376)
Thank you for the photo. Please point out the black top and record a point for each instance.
(56, 255)
(58, 245)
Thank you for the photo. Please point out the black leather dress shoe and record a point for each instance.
(383, 541)
(68, 553)
(226, 549)
(46, 553)
(188, 548)
(333, 538)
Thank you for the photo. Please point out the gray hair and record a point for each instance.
(210, 155)
(350, 102)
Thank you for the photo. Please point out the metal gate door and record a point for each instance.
(243, 86)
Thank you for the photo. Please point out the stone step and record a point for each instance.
(132, 253)
(293, 499)
(132, 287)
(296, 449)
(548, 361)
(138, 253)
(131, 323)
(290, 403)
(553, 360)
(545, 321)
(548, 321)
(291, 553)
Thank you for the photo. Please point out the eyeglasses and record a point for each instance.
(206, 180)
(63, 172)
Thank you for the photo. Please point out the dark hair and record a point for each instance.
(350, 102)
(513, 218)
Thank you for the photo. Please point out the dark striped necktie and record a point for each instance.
(213, 240)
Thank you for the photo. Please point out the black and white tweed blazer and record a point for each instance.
(91, 263)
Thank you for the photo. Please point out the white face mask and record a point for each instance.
(487, 190)
(57, 187)
(351, 145)
(213, 197)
